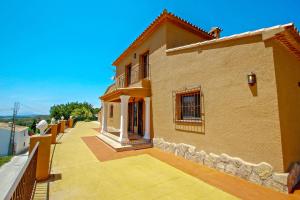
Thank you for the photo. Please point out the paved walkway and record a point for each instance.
(82, 176)
(9, 172)
(85, 168)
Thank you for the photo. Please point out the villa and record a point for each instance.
(210, 98)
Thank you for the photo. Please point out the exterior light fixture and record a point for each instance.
(251, 79)
(134, 55)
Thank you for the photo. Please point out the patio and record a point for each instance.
(83, 167)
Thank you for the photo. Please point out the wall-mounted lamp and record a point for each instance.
(251, 78)
(134, 55)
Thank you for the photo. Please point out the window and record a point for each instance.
(111, 111)
(145, 64)
(188, 106)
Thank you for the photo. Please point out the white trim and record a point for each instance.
(124, 119)
(147, 118)
(104, 117)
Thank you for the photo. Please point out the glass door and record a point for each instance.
(133, 118)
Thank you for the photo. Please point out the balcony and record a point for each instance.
(136, 76)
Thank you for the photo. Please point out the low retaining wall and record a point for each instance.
(261, 173)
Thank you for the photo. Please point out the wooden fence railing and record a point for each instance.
(23, 187)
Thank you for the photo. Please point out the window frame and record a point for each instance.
(178, 106)
(144, 73)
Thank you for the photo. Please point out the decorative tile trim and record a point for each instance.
(261, 173)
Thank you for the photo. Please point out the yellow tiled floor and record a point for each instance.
(82, 176)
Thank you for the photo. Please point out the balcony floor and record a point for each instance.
(84, 167)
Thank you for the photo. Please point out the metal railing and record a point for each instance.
(23, 187)
(120, 81)
(137, 73)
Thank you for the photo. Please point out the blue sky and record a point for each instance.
(57, 51)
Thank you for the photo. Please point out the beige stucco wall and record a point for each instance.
(177, 36)
(239, 120)
(287, 69)
(154, 44)
(114, 122)
(236, 121)
(168, 35)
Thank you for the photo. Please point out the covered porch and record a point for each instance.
(134, 116)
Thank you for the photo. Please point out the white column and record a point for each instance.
(104, 117)
(147, 118)
(124, 119)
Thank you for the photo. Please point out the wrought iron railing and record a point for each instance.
(120, 81)
(23, 187)
(136, 74)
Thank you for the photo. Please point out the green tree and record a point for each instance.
(82, 113)
(96, 111)
(33, 125)
(66, 110)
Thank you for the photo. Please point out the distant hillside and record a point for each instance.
(25, 116)
(24, 120)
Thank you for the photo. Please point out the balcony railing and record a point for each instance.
(137, 73)
(24, 184)
(120, 81)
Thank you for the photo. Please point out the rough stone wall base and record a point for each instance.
(261, 173)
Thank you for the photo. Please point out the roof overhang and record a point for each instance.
(114, 96)
(290, 39)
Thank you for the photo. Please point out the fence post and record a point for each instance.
(62, 126)
(53, 133)
(71, 123)
(43, 157)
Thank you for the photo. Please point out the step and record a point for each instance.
(142, 146)
(117, 146)
(111, 136)
(133, 139)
